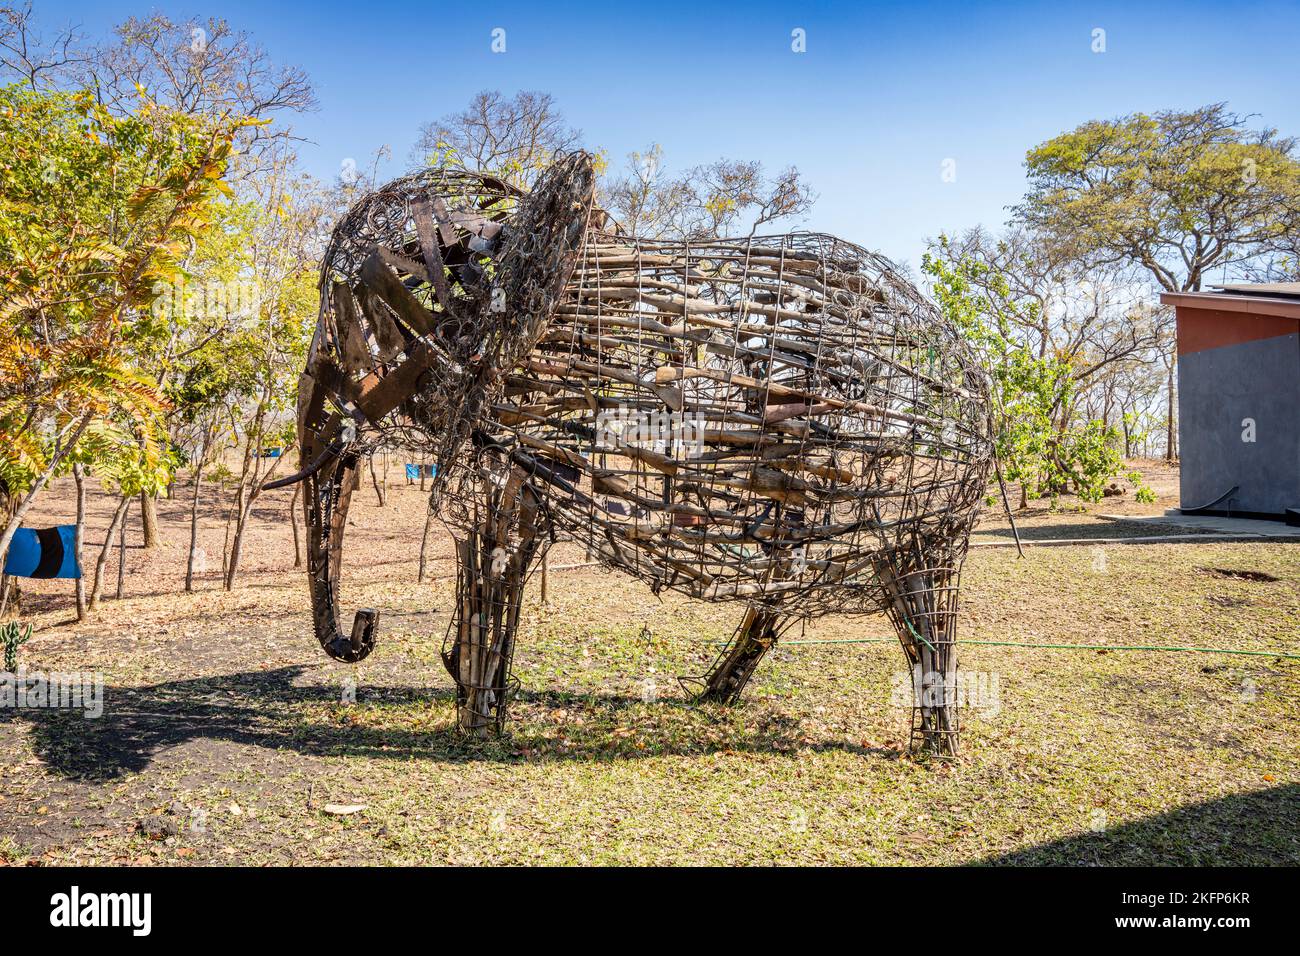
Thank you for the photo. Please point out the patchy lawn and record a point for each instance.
(226, 733)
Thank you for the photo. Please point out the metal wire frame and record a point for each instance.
(781, 421)
(430, 288)
(754, 420)
(502, 524)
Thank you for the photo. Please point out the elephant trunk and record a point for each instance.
(328, 493)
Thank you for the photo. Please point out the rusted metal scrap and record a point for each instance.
(781, 421)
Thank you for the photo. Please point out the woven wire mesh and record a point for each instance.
(779, 421)
(765, 421)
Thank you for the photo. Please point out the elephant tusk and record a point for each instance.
(332, 451)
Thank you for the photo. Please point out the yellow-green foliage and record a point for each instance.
(96, 212)
(1175, 192)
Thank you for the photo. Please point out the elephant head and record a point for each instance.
(432, 288)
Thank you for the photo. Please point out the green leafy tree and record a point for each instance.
(96, 209)
(128, 467)
(268, 246)
(1176, 192)
(1038, 445)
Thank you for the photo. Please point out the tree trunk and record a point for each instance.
(10, 597)
(194, 525)
(19, 513)
(121, 559)
(249, 491)
(293, 520)
(379, 489)
(149, 519)
(236, 548)
(424, 546)
(97, 588)
(230, 521)
(79, 476)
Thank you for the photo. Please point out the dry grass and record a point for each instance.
(225, 732)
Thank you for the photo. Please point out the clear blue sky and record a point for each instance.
(883, 95)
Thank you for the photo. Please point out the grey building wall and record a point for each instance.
(1218, 389)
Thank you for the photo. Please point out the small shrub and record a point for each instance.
(13, 636)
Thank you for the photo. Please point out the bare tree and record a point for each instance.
(101, 562)
(644, 199)
(197, 67)
(514, 138)
(281, 251)
(353, 181)
(34, 59)
(1280, 264)
(728, 194)
(1093, 314)
(725, 197)
(1104, 318)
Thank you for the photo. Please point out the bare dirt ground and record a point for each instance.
(226, 732)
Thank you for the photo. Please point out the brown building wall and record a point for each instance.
(1200, 329)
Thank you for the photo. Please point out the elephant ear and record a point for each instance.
(542, 245)
(530, 267)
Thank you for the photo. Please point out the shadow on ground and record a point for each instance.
(273, 709)
(1251, 829)
(1084, 529)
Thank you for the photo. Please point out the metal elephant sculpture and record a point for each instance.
(783, 422)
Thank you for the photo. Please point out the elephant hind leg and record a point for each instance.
(922, 603)
(731, 672)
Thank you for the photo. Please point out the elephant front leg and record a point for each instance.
(493, 561)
